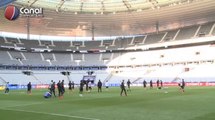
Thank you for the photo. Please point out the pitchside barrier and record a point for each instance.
(46, 86)
(187, 84)
(17, 87)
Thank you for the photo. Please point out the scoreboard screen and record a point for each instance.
(90, 78)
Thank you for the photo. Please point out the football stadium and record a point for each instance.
(107, 59)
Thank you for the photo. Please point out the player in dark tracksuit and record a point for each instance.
(151, 84)
(29, 88)
(122, 86)
(128, 84)
(52, 89)
(81, 88)
(87, 87)
(73, 85)
(158, 83)
(161, 82)
(62, 88)
(182, 85)
(70, 85)
(59, 88)
(99, 85)
(144, 84)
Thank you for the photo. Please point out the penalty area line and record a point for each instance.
(53, 114)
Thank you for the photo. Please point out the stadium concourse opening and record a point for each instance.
(107, 59)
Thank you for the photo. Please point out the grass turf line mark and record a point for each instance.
(54, 114)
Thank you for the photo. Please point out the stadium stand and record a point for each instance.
(204, 30)
(55, 56)
(31, 44)
(34, 59)
(170, 35)
(61, 45)
(186, 33)
(113, 44)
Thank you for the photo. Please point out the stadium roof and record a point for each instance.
(99, 6)
(109, 17)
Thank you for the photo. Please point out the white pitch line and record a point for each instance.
(54, 114)
(22, 105)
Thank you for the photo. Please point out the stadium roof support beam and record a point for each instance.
(127, 4)
(144, 40)
(162, 39)
(28, 27)
(11, 58)
(81, 6)
(102, 6)
(210, 33)
(93, 32)
(58, 7)
(31, 2)
(197, 31)
(24, 58)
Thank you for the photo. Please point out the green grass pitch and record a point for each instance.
(197, 103)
